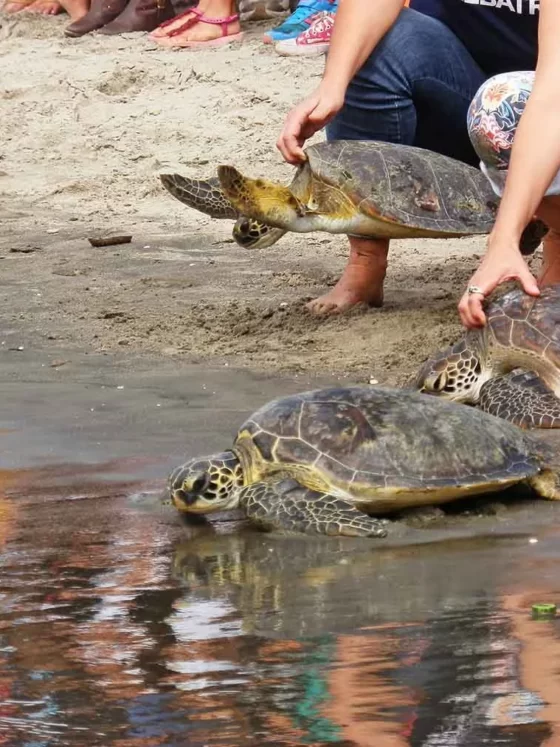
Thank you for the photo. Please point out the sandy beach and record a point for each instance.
(88, 125)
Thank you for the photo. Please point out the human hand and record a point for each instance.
(500, 263)
(304, 120)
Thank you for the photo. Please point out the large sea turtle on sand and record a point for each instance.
(522, 332)
(368, 189)
(322, 461)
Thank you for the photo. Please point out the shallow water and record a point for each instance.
(121, 626)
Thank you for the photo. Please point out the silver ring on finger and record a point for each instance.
(474, 290)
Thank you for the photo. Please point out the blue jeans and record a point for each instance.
(415, 88)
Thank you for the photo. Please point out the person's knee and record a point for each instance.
(494, 114)
(398, 52)
(369, 111)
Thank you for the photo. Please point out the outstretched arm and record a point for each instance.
(535, 160)
(359, 26)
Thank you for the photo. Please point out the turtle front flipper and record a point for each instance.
(254, 234)
(532, 236)
(205, 195)
(521, 398)
(265, 201)
(290, 508)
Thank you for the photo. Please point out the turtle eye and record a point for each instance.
(244, 226)
(201, 484)
(440, 383)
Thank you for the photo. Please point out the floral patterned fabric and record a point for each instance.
(492, 120)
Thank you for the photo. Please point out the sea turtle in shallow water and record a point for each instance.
(522, 332)
(369, 189)
(322, 461)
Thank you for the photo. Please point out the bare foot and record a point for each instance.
(45, 7)
(16, 7)
(76, 9)
(550, 272)
(361, 281)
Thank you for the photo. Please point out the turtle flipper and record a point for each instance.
(288, 507)
(205, 195)
(254, 234)
(265, 201)
(521, 398)
(547, 484)
(532, 236)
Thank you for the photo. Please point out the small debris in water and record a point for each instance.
(120, 387)
(543, 611)
(57, 364)
(20, 347)
(53, 230)
(109, 240)
(533, 541)
(373, 380)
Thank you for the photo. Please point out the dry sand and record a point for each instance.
(88, 124)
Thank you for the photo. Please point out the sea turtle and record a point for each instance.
(322, 461)
(522, 332)
(368, 188)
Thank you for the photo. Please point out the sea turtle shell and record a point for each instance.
(384, 449)
(528, 324)
(405, 185)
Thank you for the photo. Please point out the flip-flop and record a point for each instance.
(197, 16)
(155, 35)
(185, 6)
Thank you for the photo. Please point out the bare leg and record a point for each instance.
(361, 281)
(549, 212)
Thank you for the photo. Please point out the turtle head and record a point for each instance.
(206, 484)
(261, 199)
(458, 372)
(253, 234)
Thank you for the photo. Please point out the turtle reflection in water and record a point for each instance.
(332, 461)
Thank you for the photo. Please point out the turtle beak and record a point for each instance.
(182, 496)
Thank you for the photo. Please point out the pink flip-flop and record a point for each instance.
(197, 16)
(155, 35)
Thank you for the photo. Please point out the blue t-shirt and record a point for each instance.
(501, 35)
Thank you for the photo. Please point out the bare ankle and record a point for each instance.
(217, 8)
(374, 249)
(361, 281)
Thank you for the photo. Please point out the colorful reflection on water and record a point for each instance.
(119, 626)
